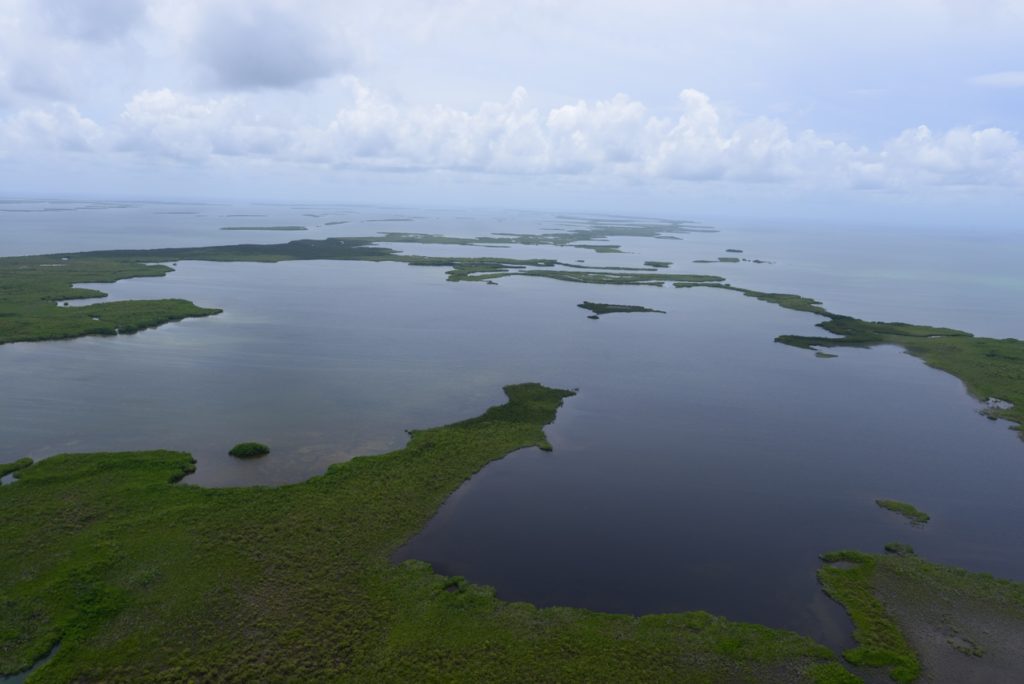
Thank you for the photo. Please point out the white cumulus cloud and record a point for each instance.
(615, 138)
(58, 127)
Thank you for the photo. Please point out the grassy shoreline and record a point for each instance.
(140, 579)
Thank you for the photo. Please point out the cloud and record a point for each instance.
(1001, 79)
(617, 138)
(55, 128)
(163, 123)
(92, 20)
(585, 136)
(258, 45)
(961, 156)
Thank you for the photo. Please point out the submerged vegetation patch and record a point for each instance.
(140, 579)
(899, 548)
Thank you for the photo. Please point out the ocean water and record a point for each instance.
(700, 466)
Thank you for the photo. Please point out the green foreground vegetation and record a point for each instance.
(915, 617)
(140, 579)
(906, 510)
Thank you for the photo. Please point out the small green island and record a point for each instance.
(249, 450)
(908, 511)
(281, 228)
(599, 308)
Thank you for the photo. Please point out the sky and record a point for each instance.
(910, 109)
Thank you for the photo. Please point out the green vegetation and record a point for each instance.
(139, 579)
(285, 228)
(735, 251)
(916, 617)
(847, 579)
(658, 264)
(31, 288)
(599, 309)
(249, 450)
(906, 510)
(8, 468)
(729, 260)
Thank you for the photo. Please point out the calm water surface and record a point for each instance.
(701, 465)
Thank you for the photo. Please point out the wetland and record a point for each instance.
(699, 444)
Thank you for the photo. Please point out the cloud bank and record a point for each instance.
(617, 137)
